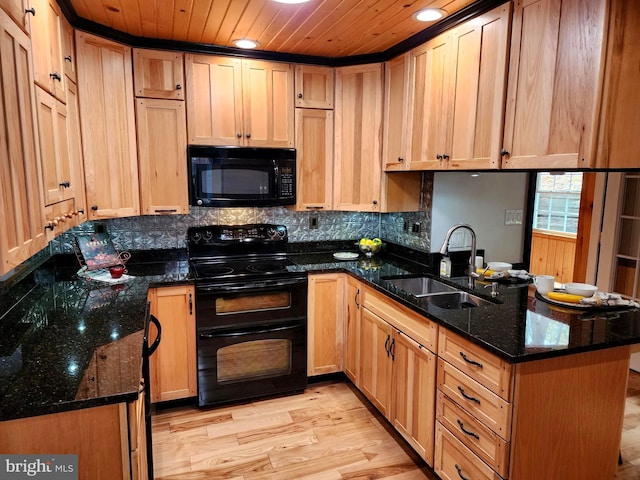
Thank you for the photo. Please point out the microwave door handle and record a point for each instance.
(276, 179)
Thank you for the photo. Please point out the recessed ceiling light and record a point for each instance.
(291, 1)
(429, 14)
(245, 43)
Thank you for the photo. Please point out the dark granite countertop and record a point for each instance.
(67, 343)
(516, 326)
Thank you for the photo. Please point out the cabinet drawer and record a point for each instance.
(484, 367)
(483, 404)
(473, 434)
(455, 461)
(412, 324)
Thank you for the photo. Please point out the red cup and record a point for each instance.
(116, 271)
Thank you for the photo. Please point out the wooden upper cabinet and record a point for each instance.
(398, 84)
(314, 86)
(19, 11)
(158, 74)
(239, 102)
(68, 49)
(54, 148)
(162, 147)
(618, 141)
(46, 38)
(358, 131)
(21, 204)
(554, 71)
(314, 166)
(267, 96)
(432, 98)
(105, 89)
(480, 52)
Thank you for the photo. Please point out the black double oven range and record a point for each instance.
(251, 313)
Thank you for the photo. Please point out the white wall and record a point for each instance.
(481, 202)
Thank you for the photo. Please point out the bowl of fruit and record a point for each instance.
(370, 246)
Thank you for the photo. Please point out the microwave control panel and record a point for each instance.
(286, 181)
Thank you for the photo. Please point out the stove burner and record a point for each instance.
(213, 270)
(266, 267)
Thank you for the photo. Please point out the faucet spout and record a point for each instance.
(445, 249)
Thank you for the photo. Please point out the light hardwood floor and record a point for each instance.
(330, 432)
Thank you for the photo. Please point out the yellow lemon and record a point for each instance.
(376, 241)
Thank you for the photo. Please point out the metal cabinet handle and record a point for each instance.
(467, 396)
(392, 349)
(469, 361)
(94, 208)
(400, 159)
(504, 153)
(55, 76)
(460, 472)
(178, 87)
(190, 304)
(300, 95)
(68, 58)
(31, 10)
(439, 157)
(355, 299)
(239, 135)
(386, 344)
(248, 135)
(165, 210)
(468, 432)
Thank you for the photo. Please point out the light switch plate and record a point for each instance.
(513, 217)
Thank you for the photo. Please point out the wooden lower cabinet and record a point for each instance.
(325, 323)
(100, 436)
(173, 365)
(396, 372)
(551, 418)
(352, 320)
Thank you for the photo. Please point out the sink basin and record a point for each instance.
(455, 300)
(418, 286)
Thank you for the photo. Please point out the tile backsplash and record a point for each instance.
(163, 232)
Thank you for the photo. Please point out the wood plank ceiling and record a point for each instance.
(324, 28)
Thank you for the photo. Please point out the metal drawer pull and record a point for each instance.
(460, 473)
(472, 362)
(468, 397)
(468, 432)
(386, 344)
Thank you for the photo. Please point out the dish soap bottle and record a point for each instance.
(445, 267)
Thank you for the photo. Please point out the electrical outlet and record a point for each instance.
(405, 226)
(415, 228)
(513, 217)
(313, 222)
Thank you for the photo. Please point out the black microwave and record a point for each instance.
(241, 176)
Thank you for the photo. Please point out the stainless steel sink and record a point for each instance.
(455, 300)
(418, 286)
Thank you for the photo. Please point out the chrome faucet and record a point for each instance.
(444, 250)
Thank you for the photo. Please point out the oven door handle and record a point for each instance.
(248, 286)
(154, 346)
(209, 336)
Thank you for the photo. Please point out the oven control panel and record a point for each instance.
(255, 233)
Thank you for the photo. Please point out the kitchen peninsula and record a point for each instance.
(561, 373)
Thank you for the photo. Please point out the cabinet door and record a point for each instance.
(54, 149)
(173, 365)
(314, 86)
(68, 49)
(314, 167)
(214, 100)
(267, 98)
(480, 49)
(358, 124)
(352, 330)
(414, 394)
(325, 323)
(105, 88)
(21, 203)
(432, 99)
(162, 146)
(554, 73)
(158, 74)
(46, 38)
(75, 152)
(375, 360)
(397, 90)
(17, 10)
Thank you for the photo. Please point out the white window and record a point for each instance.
(557, 202)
